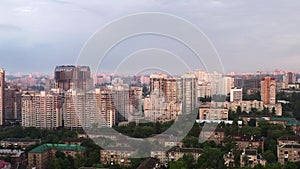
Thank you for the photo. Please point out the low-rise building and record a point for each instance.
(288, 152)
(19, 142)
(206, 113)
(288, 140)
(5, 165)
(216, 136)
(172, 142)
(161, 155)
(250, 157)
(38, 157)
(176, 153)
(247, 106)
(17, 156)
(117, 155)
(249, 142)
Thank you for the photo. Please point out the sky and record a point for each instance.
(249, 35)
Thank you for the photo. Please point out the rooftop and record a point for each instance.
(290, 121)
(10, 152)
(60, 147)
(290, 138)
(293, 146)
(186, 150)
(148, 163)
(20, 140)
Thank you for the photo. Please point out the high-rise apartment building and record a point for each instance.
(2, 91)
(170, 89)
(189, 95)
(12, 104)
(89, 109)
(64, 76)
(106, 114)
(122, 102)
(226, 85)
(291, 78)
(251, 85)
(41, 109)
(73, 77)
(268, 90)
(157, 83)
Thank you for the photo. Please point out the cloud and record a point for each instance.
(248, 34)
(8, 27)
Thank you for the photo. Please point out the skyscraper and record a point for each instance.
(70, 77)
(64, 76)
(268, 90)
(2, 90)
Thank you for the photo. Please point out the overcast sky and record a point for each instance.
(251, 35)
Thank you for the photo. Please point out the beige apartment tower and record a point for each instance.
(268, 90)
(2, 90)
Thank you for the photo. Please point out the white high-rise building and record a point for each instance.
(227, 84)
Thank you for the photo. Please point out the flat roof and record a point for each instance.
(21, 140)
(60, 147)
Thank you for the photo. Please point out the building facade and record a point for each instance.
(41, 109)
(268, 90)
(2, 90)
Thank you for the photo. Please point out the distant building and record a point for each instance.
(268, 90)
(236, 94)
(206, 113)
(12, 104)
(121, 100)
(188, 93)
(226, 85)
(246, 106)
(251, 85)
(156, 109)
(38, 157)
(2, 99)
(157, 83)
(291, 78)
(73, 77)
